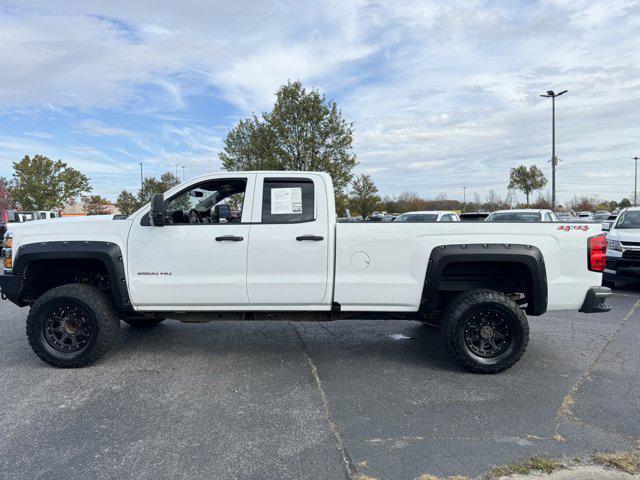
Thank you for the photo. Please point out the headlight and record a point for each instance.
(614, 245)
(7, 253)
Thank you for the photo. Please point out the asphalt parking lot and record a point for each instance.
(279, 400)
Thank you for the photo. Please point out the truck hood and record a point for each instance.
(625, 234)
(89, 228)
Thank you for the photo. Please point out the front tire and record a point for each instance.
(72, 325)
(485, 331)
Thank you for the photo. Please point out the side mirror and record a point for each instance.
(156, 214)
(606, 226)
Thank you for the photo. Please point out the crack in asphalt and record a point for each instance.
(347, 463)
(566, 408)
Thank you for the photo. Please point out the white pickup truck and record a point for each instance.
(266, 245)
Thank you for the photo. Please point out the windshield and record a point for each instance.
(629, 220)
(416, 217)
(514, 217)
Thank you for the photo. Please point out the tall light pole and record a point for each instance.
(183, 173)
(464, 199)
(554, 161)
(141, 181)
(635, 183)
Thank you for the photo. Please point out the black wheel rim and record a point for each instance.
(487, 333)
(68, 327)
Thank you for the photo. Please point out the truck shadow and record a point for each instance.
(394, 341)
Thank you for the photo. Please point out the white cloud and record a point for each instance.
(441, 93)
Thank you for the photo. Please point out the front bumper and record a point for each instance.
(622, 267)
(11, 286)
(596, 300)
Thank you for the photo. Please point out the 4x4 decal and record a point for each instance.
(566, 228)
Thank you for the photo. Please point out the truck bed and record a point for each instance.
(382, 266)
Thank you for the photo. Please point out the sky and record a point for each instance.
(442, 94)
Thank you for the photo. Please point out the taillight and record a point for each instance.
(597, 253)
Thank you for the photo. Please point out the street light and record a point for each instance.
(552, 95)
(141, 181)
(464, 199)
(635, 183)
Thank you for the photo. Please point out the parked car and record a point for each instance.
(46, 214)
(522, 215)
(600, 216)
(585, 214)
(623, 247)
(178, 258)
(357, 218)
(27, 216)
(563, 216)
(606, 225)
(473, 216)
(7, 217)
(427, 216)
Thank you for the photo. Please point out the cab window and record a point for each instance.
(288, 200)
(213, 201)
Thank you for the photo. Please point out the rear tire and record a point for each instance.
(72, 325)
(143, 322)
(485, 331)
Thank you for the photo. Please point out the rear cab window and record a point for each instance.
(288, 200)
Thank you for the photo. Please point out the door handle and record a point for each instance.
(229, 238)
(313, 238)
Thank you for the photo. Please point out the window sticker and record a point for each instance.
(286, 201)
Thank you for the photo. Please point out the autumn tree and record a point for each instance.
(40, 183)
(303, 131)
(526, 179)
(95, 205)
(364, 195)
(6, 202)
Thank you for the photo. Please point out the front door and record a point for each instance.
(197, 261)
(289, 241)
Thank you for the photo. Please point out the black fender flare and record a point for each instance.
(107, 253)
(528, 255)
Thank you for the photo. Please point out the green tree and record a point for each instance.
(6, 202)
(39, 183)
(364, 195)
(127, 203)
(625, 203)
(303, 131)
(95, 205)
(151, 186)
(526, 179)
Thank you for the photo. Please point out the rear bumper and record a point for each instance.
(596, 300)
(11, 286)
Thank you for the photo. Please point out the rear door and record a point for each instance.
(289, 241)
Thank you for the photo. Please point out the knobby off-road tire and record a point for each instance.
(485, 331)
(143, 322)
(72, 325)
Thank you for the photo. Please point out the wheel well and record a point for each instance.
(513, 278)
(43, 275)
